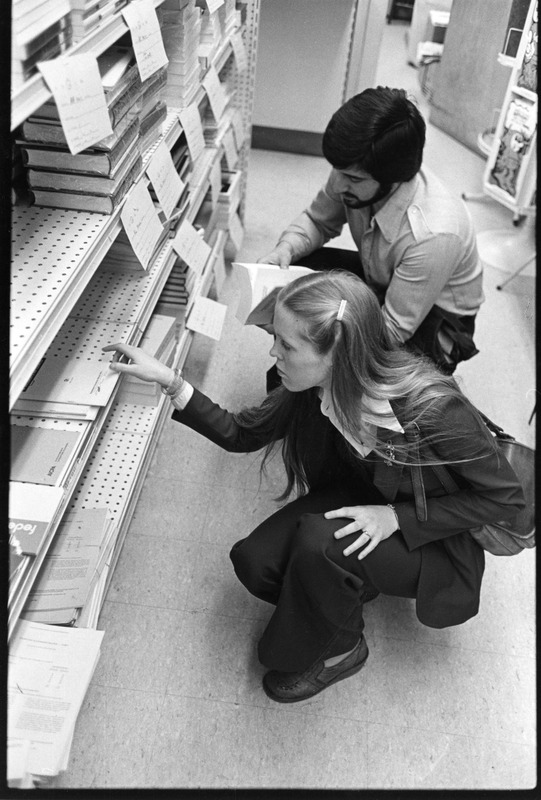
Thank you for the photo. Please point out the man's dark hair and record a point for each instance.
(379, 131)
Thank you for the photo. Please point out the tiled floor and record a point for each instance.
(176, 699)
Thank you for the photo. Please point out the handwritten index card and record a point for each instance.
(141, 222)
(142, 20)
(165, 179)
(75, 83)
(239, 51)
(215, 91)
(192, 249)
(230, 149)
(207, 317)
(190, 120)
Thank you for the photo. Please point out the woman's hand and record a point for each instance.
(143, 366)
(375, 523)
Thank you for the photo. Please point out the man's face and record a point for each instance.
(358, 189)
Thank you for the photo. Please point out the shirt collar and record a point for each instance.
(373, 412)
(390, 213)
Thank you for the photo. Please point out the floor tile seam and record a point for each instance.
(459, 648)
(465, 736)
(215, 614)
(161, 695)
(143, 605)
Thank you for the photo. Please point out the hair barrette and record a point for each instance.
(341, 310)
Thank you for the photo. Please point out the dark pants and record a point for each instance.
(425, 340)
(293, 561)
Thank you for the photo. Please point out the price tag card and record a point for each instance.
(215, 91)
(239, 51)
(230, 149)
(191, 247)
(238, 127)
(236, 233)
(166, 181)
(141, 222)
(190, 120)
(146, 36)
(75, 83)
(215, 182)
(214, 5)
(207, 317)
(220, 273)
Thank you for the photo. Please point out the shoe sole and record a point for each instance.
(347, 674)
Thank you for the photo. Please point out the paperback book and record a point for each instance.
(259, 286)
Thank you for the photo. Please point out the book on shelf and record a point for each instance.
(98, 203)
(259, 286)
(131, 163)
(30, 31)
(44, 453)
(54, 411)
(91, 161)
(49, 131)
(73, 563)
(32, 512)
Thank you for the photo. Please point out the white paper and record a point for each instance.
(239, 51)
(230, 149)
(76, 86)
(147, 42)
(258, 281)
(220, 273)
(191, 247)
(190, 120)
(32, 510)
(215, 92)
(238, 127)
(207, 317)
(165, 179)
(72, 380)
(48, 674)
(215, 182)
(141, 222)
(214, 5)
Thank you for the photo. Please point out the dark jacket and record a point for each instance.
(452, 562)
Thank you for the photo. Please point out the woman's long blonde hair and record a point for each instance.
(365, 364)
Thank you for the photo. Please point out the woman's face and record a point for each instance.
(299, 364)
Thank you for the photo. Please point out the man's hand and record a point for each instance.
(281, 256)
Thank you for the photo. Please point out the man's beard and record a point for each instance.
(353, 202)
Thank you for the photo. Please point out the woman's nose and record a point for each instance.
(273, 352)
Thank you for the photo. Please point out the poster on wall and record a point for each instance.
(515, 141)
(527, 77)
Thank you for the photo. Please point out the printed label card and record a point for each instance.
(207, 317)
(146, 36)
(141, 222)
(166, 181)
(215, 91)
(239, 51)
(192, 126)
(230, 149)
(191, 247)
(76, 86)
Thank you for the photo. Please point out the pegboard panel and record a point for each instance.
(111, 473)
(133, 418)
(115, 296)
(78, 426)
(84, 338)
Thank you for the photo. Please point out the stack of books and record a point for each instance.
(179, 284)
(87, 15)
(210, 38)
(98, 178)
(40, 31)
(70, 573)
(228, 199)
(181, 27)
(229, 18)
(153, 109)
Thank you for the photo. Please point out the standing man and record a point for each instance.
(415, 241)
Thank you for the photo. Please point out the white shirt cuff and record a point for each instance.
(181, 400)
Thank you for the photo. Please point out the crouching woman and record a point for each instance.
(360, 423)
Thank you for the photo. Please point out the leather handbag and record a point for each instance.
(498, 538)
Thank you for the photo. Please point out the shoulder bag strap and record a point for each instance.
(412, 434)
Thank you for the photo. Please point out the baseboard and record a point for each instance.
(287, 141)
